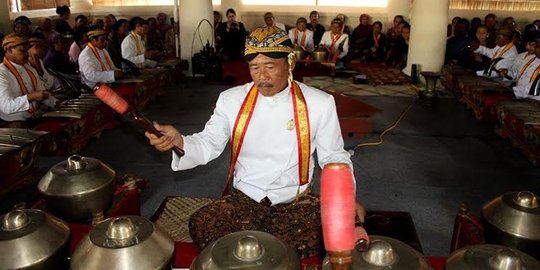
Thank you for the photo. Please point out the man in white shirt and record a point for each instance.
(525, 82)
(336, 41)
(505, 49)
(301, 36)
(523, 60)
(270, 20)
(21, 90)
(268, 121)
(133, 46)
(95, 64)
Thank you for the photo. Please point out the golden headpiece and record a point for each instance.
(14, 39)
(270, 41)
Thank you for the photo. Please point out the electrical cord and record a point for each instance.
(381, 136)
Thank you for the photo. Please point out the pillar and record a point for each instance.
(191, 13)
(5, 23)
(427, 45)
(398, 7)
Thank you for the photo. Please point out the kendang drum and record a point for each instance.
(32, 239)
(386, 253)
(513, 220)
(247, 250)
(78, 188)
(490, 257)
(126, 242)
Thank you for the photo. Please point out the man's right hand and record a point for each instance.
(37, 95)
(118, 74)
(171, 137)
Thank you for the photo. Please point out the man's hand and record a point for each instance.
(118, 74)
(360, 212)
(37, 95)
(171, 137)
(149, 54)
(503, 72)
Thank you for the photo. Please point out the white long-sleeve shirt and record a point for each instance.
(521, 60)
(268, 162)
(308, 42)
(508, 56)
(91, 70)
(129, 51)
(14, 105)
(326, 40)
(523, 85)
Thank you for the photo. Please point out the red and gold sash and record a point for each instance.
(20, 81)
(303, 135)
(376, 40)
(335, 39)
(303, 41)
(98, 56)
(535, 74)
(506, 48)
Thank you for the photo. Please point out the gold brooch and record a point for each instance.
(290, 125)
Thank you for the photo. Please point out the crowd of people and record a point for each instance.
(504, 53)
(97, 50)
(38, 58)
(366, 42)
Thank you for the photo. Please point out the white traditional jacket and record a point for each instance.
(508, 54)
(133, 48)
(91, 68)
(327, 38)
(299, 37)
(14, 105)
(268, 162)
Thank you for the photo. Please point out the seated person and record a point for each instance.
(270, 21)
(528, 75)
(153, 36)
(232, 36)
(81, 21)
(395, 31)
(108, 22)
(134, 47)
(317, 28)
(301, 36)
(523, 60)
(21, 27)
(457, 46)
(162, 26)
(270, 171)
(345, 29)
(21, 92)
(61, 25)
(57, 58)
(36, 53)
(95, 64)
(359, 38)
(377, 43)
(336, 41)
(397, 56)
(505, 49)
(45, 28)
(79, 43)
(114, 47)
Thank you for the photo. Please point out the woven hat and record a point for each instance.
(270, 41)
(14, 39)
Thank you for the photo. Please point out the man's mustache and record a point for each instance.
(265, 85)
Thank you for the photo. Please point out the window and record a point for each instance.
(335, 3)
(23, 5)
(353, 3)
(491, 5)
(280, 2)
(140, 2)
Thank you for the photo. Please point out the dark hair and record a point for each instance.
(490, 15)
(217, 13)
(22, 19)
(379, 23)
(38, 35)
(230, 10)
(79, 33)
(313, 12)
(465, 22)
(399, 16)
(61, 10)
(405, 24)
(531, 36)
(81, 17)
(136, 20)
(118, 24)
(337, 20)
